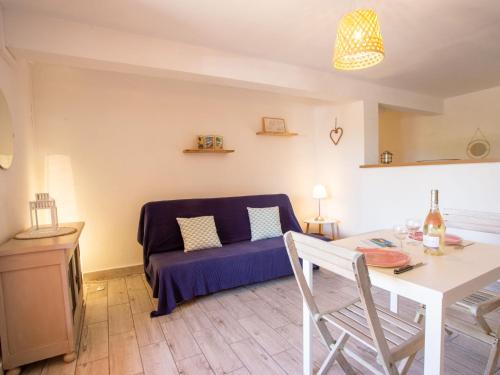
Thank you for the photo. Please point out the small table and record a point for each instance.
(334, 223)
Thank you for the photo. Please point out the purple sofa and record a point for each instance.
(176, 276)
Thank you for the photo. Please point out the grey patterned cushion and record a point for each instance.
(198, 233)
(264, 222)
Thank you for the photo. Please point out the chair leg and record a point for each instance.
(345, 365)
(492, 359)
(336, 354)
(405, 364)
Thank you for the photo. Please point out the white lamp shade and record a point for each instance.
(319, 192)
(60, 185)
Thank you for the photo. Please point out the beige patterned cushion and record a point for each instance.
(264, 222)
(198, 233)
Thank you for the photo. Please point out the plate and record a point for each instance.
(384, 257)
(450, 239)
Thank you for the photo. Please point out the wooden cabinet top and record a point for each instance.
(67, 242)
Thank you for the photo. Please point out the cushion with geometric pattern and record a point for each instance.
(198, 233)
(264, 222)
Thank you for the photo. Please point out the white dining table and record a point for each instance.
(442, 281)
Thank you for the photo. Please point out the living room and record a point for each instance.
(107, 102)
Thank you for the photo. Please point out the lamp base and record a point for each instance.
(319, 218)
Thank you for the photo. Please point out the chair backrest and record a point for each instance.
(344, 262)
(487, 222)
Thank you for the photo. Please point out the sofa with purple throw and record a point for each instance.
(176, 276)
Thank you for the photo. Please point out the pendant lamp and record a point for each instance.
(359, 43)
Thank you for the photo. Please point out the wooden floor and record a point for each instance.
(250, 330)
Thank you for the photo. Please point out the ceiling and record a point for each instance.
(440, 48)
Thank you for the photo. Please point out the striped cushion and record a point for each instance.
(198, 233)
(264, 222)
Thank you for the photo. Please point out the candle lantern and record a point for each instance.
(43, 202)
(386, 157)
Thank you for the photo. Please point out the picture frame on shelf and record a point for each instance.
(273, 125)
(210, 142)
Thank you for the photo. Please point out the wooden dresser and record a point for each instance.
(41, 299)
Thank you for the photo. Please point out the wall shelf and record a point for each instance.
(277, 134)
(206, 151)
(435, 162)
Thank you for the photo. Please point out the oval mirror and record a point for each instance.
(6, 135)
(478, 149)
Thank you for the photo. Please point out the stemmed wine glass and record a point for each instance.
(400, 232)
(413, 225)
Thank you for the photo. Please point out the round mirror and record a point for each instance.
(6, 135)
(478, 149)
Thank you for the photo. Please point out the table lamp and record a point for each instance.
(319, 192)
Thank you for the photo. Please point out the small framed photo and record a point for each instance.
(273, 125)
(210, 142)
(219, 142)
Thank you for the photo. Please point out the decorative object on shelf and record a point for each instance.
(336, 133)
(319, 193)
(386, 157)
(207, 142)
(273, 125)
(43, 202)
(359, 43)
(478, 147)
(6, 135)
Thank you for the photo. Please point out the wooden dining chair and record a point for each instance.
(394, 339)
(478, 305)
(482, 302)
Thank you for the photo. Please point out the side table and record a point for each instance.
(334, 224)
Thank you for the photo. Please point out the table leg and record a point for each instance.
(307, 323)
(393, 303)
(307, 227)
(320, 229)
(434, 338)
(333, 231)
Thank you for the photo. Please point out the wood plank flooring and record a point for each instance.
(253, 330)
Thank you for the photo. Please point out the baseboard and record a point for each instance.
(113, 273)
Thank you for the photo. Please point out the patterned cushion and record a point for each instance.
(198, 233)
(264, 222)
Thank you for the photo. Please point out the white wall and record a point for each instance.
(416, 137)
(370, 199)
(16, 183)
(125, 135)
(392, 195)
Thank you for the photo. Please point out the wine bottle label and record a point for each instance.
(431, 241)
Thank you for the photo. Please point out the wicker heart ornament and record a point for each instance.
(336, 134)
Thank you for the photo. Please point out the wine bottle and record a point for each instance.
(434, 228)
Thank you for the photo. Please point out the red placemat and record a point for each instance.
(450, 239)
(384, 257)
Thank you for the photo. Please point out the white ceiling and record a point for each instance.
(441, 48)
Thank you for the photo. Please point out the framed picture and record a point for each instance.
(273, 125)
(210, 142)
(219, 142)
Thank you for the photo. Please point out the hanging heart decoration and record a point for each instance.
(336, 133)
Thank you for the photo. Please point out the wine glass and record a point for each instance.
(413, 225)
(400, 232)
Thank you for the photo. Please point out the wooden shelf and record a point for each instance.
(206, 151)
(436, 162)
(277, 134)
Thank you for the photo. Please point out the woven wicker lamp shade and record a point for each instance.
(359, 41)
